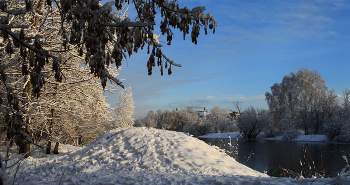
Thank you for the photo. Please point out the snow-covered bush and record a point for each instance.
(175, 119)
(218, 115)
(251, 122)
(230, 126)
(336, 127)
(289, 127)
(344, 135)
(332, 129)
(150, 120)
(185, 117)
(290, 134)
(197, 129)
(219, 121)
(269, 130)
(138, 123)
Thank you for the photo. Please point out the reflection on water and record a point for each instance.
(268, 156)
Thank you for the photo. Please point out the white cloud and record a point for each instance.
(234, 98)
(211, 97)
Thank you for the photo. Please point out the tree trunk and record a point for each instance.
(48, 150)
(25, 145)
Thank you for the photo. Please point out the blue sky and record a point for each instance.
(255, 44)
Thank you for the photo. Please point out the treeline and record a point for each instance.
(187, 120)
(300, 104)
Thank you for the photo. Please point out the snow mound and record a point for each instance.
(152, 149)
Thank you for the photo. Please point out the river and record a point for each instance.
(272, 156)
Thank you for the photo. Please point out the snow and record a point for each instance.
(314, 137)
(301, 137)
(221, 135)
(142, 156)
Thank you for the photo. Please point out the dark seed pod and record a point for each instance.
(169, 71)
(10, 97)
(3, 5)
(28, 5)
(9, 48)
(21, 34)
(23, 52)
(7, 117)
(81, 51)
(5, 35)
(3, 75)
(16, 43)
(24, 69)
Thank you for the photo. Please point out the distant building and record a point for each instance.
(203, 113)
(235, 114)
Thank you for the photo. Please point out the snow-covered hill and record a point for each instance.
(142, 156)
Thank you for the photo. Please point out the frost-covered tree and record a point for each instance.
(176, 119)
(124, 110)
(64, 110)
(346, 103)
(185, 117)
(150, 120)
(252, 122)
(303, 94)
(289, 127)
(337, 127)
(85, 27)
(169, 119)
(219, 120)
(73, 111)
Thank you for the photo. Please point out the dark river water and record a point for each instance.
(272, 156)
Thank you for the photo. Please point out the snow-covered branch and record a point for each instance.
(129, 24)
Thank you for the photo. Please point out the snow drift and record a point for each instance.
(128, 149)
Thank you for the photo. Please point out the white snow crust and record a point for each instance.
(221, 135)
(142, 156)
(302, 137)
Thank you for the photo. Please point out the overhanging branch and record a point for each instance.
(129, 24)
